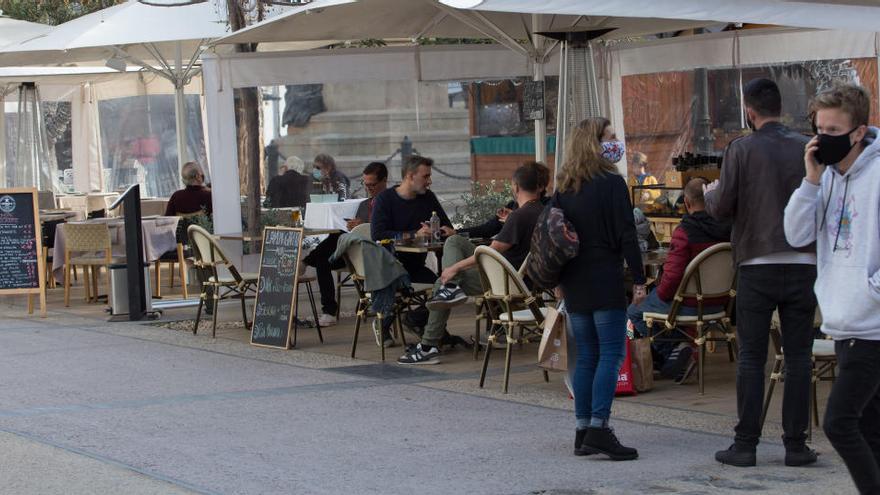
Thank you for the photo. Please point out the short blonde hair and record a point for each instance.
(851, 99)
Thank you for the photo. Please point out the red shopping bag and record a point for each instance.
(625, 385)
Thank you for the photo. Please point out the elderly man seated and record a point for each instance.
(194, 197)
(697, 232)
(290, 189)
(460, 279)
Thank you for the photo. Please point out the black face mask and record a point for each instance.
(750, 124)
(833, 149)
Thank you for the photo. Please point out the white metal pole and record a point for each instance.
(180, 110)
(538, 75)
(561, 109)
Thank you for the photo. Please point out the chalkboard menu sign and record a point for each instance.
(21, 245)
(533, 100)
(276, 289)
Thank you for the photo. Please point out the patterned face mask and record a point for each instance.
(613, 150)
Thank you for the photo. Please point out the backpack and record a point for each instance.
(554, 243)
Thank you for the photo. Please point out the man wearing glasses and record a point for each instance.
(374, 180)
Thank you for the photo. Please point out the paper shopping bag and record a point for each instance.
(553, 351)
(642, 364)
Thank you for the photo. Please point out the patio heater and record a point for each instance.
(578, 96)
(33, 161)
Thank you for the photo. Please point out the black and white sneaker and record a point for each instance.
(447, 296)
(418, 355)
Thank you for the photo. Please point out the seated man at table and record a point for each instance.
(697, 232)
(194, 197)
(493, 226)
(460, 277)
(290, 189)
(375, 180)
(405, 210)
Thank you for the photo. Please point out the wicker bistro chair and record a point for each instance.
(404, 302)
(510, 305)
(178, 256)
(91, 242)
(710, 274)
(220, 278)
(343, 275)
(824, 365)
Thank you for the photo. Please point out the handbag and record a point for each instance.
(553, 350)
(554, 243)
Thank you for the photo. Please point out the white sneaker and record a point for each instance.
(326, 320)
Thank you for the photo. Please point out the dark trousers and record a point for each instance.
(414, 264)
(320, 259)
(852, 419)
(761, 289)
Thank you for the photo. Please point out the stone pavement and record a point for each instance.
(89, 406)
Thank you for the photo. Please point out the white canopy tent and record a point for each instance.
(409, 19)
(162, 36)
(84, 88)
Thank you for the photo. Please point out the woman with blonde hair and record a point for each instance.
(595, 200)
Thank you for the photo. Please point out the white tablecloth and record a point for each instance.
(331, 215)
(160, 236)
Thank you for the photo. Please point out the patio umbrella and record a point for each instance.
(12, 30)
(166, 37)
(859, 15)
(411, 19)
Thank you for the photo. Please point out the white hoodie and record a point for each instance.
(842, 214)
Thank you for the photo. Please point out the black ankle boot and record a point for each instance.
(603, 440)
(799, 455)
(737, 455)
(579, 447)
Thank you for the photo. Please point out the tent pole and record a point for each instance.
(2, 138)
(180, 110)
(561, 110)
(538, 75)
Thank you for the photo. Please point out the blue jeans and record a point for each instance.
(653, 304)
(600, 337)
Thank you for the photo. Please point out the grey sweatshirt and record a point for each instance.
(842, 214)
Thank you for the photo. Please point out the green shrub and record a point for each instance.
(481, 203)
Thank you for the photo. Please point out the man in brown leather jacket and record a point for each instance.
(759, 173)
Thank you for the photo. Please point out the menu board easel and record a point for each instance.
(275, 304)
(21, 246)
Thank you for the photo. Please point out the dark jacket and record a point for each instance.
(696, 233)
(290, 189)
(490, 228)
(601, 213)
(758, 175)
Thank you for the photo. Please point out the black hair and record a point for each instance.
(762, 96)
(528, 177)
(378, 169)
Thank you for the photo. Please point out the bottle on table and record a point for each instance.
(435, 227)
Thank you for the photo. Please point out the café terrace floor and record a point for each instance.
(668, 404)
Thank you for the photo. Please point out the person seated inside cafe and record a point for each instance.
(493, 225)
(403, 212)
(194, 197)
(332, 180)
(375, 180)
(290, 189)
(460, 277)
(697, 232)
